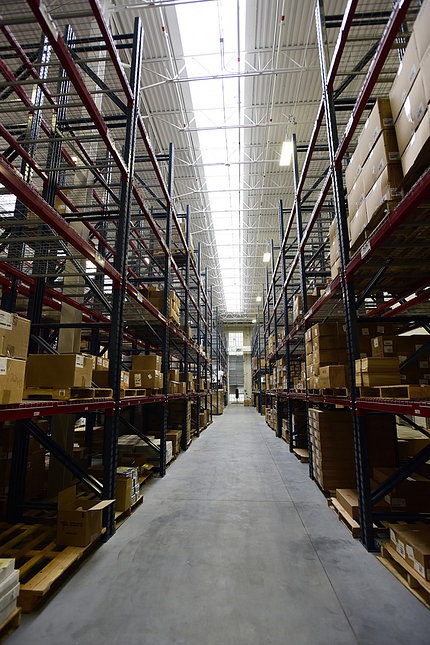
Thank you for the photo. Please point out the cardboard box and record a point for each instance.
(380, 118)
(173, 375)
(412, 542)
(357, 224)
(127, 488)
(101, 379)
(148, 362)
(334, 244)
(14, 335)
(148, 379)
(79, 521)
(12, 375)
(406, 73)
(412, 495)
(58, 370)
(333, 376)
(386, 189)
(417, 151)
(385, 152)
(356, 196)
(348, 499)
(353, 169)
(100, 363)
(412, 112)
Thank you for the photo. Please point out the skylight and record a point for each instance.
(214, 44)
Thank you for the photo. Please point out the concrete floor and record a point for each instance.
(234, 546)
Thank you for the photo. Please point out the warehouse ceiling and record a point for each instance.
(227, 81)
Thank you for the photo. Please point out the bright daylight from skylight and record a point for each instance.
(211, 41)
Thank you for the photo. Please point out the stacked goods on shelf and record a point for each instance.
(402, 347)
(101, 376)
(271, 345)
(79, 521)
(297, 305)
(36, 473)
(332, 448)
(146, 372)
(409, 97)
(326, 347)
(156, 298)
(58, 371)
(334, 250)
(295, 373)
(374, 174)
(254, 364)
(299, 380)
(412, 543)
(284, 430)
(191, 381)
(372, 372)
(127, 487)
(175, 414)
(14, 336)
(9, 588)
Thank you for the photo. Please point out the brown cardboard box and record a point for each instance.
(101, 379)
(334, 245)
(173, 375)
(149, 362)
(150, 379)
(387, 188)
(356, 196)
(412, 112)
(385, 151)
(79, 521)
(421, 29)
(411, 495)
(380, 118)
(406, 73)
(379, 365)
(329, 329)
(100, 363)
(348, 499)
(357, 223)
(353, 169)
(58, 370)
(12, 374)
(297, 308)
(412, 542)
(417, 151)
(333, 376)
(14, 335)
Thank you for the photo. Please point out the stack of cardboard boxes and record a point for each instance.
(14, 336)
(326, 355)
(146, 372)
(409, 97)
(332, 448)
(412, 543)
(374, 174)
(156, 298)
(311, 299)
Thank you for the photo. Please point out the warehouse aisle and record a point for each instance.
(235, 546)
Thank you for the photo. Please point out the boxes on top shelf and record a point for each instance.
(146, 362)
(14, 335)
(58, 370)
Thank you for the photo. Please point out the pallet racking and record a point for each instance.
(375, 283)
(92, 230)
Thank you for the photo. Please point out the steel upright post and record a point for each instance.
(286, 326)
(110, 447)
(166, 312)
(198, 340)
(348, 292)
(186, 429)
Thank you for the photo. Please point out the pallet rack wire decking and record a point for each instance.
(375, 283)
(93, 225)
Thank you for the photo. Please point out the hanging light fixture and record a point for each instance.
(266, 257)
(286, 153)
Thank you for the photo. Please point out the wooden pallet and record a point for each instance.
(67, 393)
(302, 455)
(409, 392)
(43, 566)
(10, 624)
(405, 573)
(330, 391)
(133, 392)
(377, 219)
(344, 517)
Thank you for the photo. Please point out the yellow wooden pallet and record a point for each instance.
(10, 624)
(407, 575)
(66, 394)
